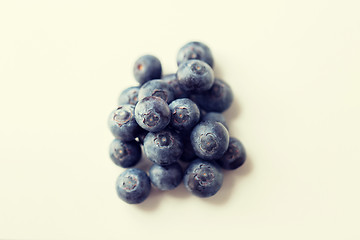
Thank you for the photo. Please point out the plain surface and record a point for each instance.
(293, 65)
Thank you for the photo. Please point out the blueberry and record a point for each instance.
(166, 177)
(195, 50)
(164, 147)
(174, 83)
(215, 116)
(133, 186)
(146, 68)
(129, 96)
(195, 76)
(217, 99)
(152, 114)
(157, 88)
(234, 157)
(125, 154)
(184, 114)
(122, 123)
(202, 178)
(210, 140)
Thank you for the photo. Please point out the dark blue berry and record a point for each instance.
(202, 178)
(164, 147)
(146, 68)
(152, 114)
(129, 96)
(215, 116)
(210, 140)
(133, 186)
(195, 76)
(234, 157)
(217, 99)
(157, 88)
(122, 123)
(174, 83)
(195, 50)
(184, 114)
(125, 154)
(166, 177)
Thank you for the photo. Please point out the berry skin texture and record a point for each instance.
(215, 116)
(133, 186)
(157, 88)
(234, 156)
(129, 96)
(184, 114)
(125, 154)
(152, 114)
(195, 50)
(146, 68)
(203, 178)
(122, 123)
(217, 99)
(174, 83)
(195, 76)
(210, 140)
(163, 148)
(166, 177)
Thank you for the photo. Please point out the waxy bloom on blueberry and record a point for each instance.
(164, 147)
(203, 178)
(157, 88)
(129, 96)
(217, 99)
(234, 156)
(122, 122)
(210, 140)
(195, 76)
(195, 50)
(125, 154)
(133, 186)
(152, 114)
(147, 68)
(184, 114)
(166, 177)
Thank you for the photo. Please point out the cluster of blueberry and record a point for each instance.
(174, 117)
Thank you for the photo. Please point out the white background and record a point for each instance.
(294, 68)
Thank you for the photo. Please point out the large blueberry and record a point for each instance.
(234, 156)
(133, 186)
(152, 114)
(184, 114)
(195, 50)
(174, 83)
(122, 122)
(129, 96)
(157, 88)
(125, 154)
(210, 140)
(146, 68)
(166, 177)
(203, 178)
(217, 99)
(164, 147)
(195, 76)
(215, 116)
